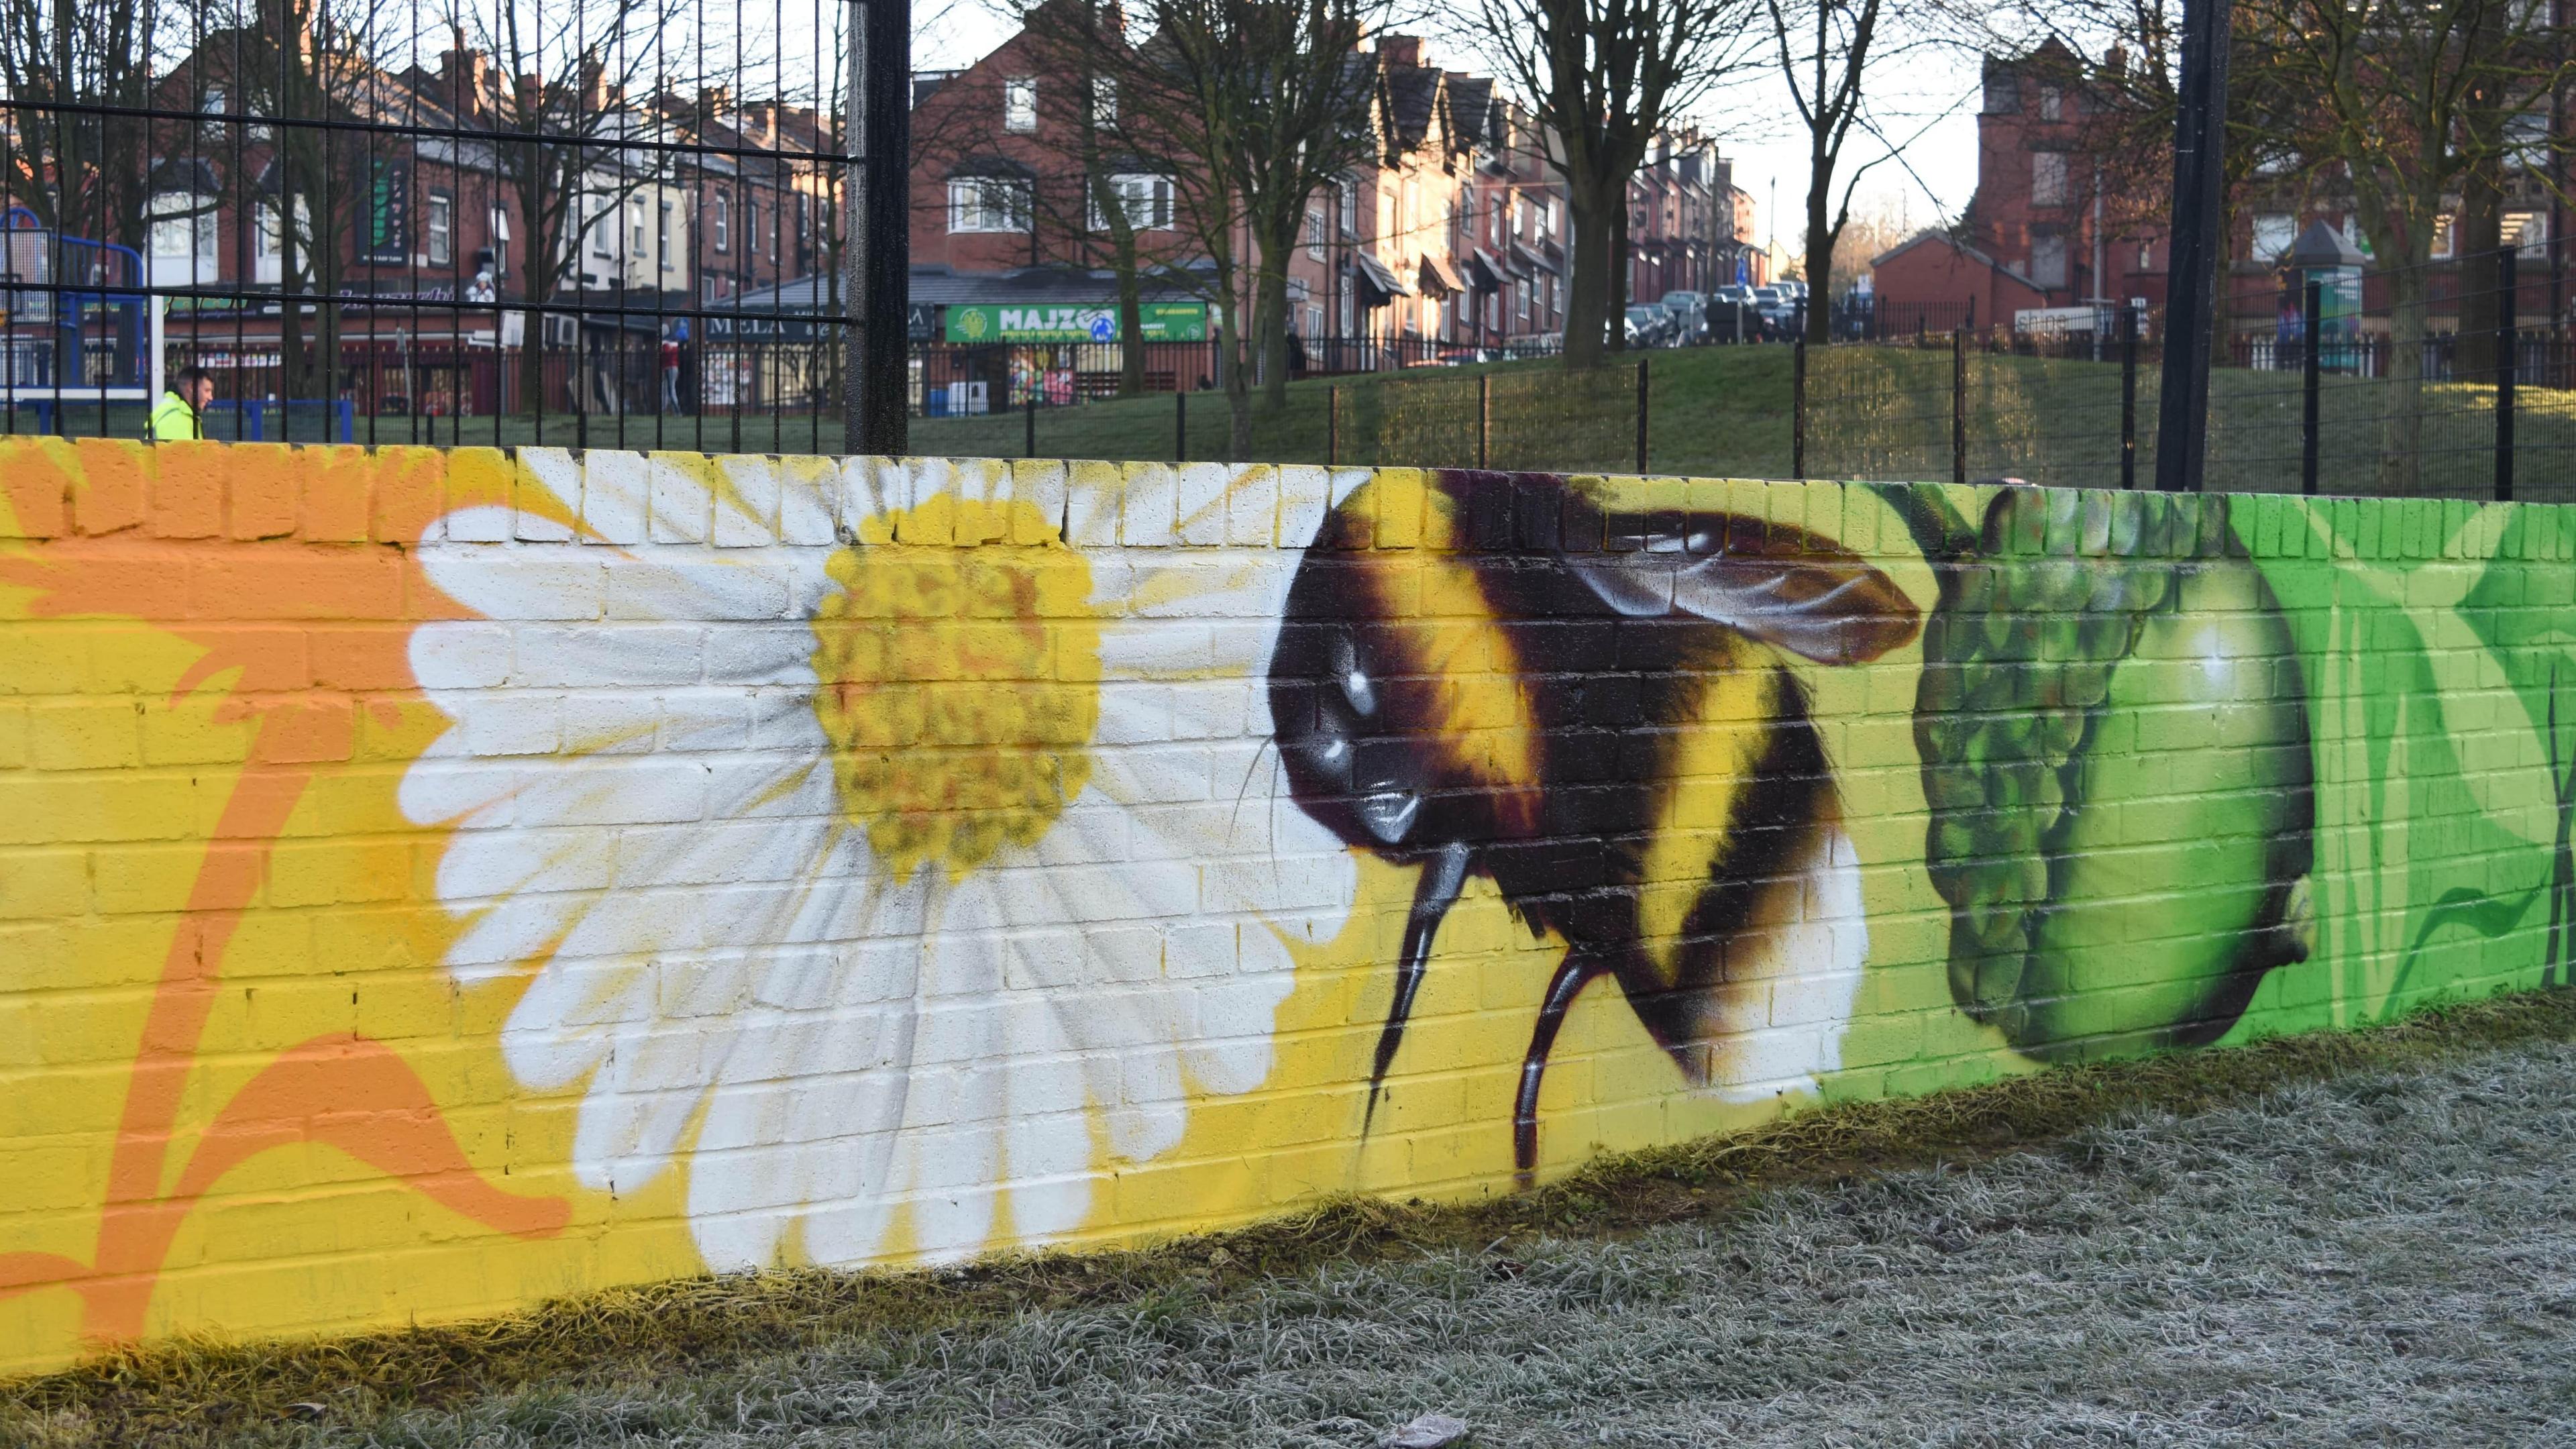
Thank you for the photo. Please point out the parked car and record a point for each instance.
(1690, 315)
(1649, 325)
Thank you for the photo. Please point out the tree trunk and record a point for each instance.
(1131, 318)
(1231, 375)
(2401, 422)
(1822, 237)
(1587, 292)
(1616, 337)
(1270, 314)
(2481, 237)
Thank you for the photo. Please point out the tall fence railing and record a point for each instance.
(2453, 380)
(484, 222)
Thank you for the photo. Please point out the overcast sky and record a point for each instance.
(1928, 96)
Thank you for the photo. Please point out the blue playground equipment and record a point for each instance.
(72, 327)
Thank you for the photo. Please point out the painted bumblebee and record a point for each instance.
(1589, 704)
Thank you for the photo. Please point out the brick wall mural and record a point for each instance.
(434, 881)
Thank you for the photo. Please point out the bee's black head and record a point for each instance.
(1336, 701)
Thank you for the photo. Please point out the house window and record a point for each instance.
(1521, 300)
(2446, 237)
(1144, 201)
(1020, 105)
(1314, 321)
(2048, 259)
(1104, 100)
(1315, 232)
(497, 231)
(1349, 195)
(724, 222)
(2274, 231)
(635, 228)
(662, 236)
(1349, 309)
(988, 203)
(2527, 232)
(2052, 104)
(179, 238)
(2048, 178)
(2146, 256)
(441, 229)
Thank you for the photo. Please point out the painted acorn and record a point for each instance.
(2115, 750)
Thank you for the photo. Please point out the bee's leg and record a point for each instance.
(1571, 976)
(1442, 878)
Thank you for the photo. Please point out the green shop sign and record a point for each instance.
(1159, 322)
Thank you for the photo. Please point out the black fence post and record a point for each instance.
(1484, 417)
(2507, 295)
(1641, 414)
(2128, 397)
(2200, 142)
(877, 265)
(1180, 425)
(1959, 405)
(2311, 313)
(1333, 424)
(1798, 410)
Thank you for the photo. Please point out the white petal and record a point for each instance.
(953, 1119)
(804, 1122)
(516, 584)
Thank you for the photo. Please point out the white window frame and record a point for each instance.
(723, 221)
(1104, 100)
(1144, 199)
(1020, 104)
(972, 208)
(662, 219)
(438, 229)
(2273, 233)
(179, 243)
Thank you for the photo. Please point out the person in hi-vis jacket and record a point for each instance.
(180, 416)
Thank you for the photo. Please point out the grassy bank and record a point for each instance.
(673, 1352)
(1872, 412)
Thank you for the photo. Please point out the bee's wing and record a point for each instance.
(1781, 585)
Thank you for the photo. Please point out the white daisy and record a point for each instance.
(888, 883)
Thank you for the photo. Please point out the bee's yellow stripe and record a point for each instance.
(1719, 739)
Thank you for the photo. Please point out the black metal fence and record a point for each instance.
(495, 221)
(2454, 381)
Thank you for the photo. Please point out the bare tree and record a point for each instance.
(309, 65)
(559, 111)
(1603, 78)
(1249, 107)
(1105, 197)
(1828, 51)
(77, 73)
(2409, 100)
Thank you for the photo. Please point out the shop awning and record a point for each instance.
(1438, 277)
(1376, 276)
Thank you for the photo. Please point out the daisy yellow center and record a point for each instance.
(959, 685)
